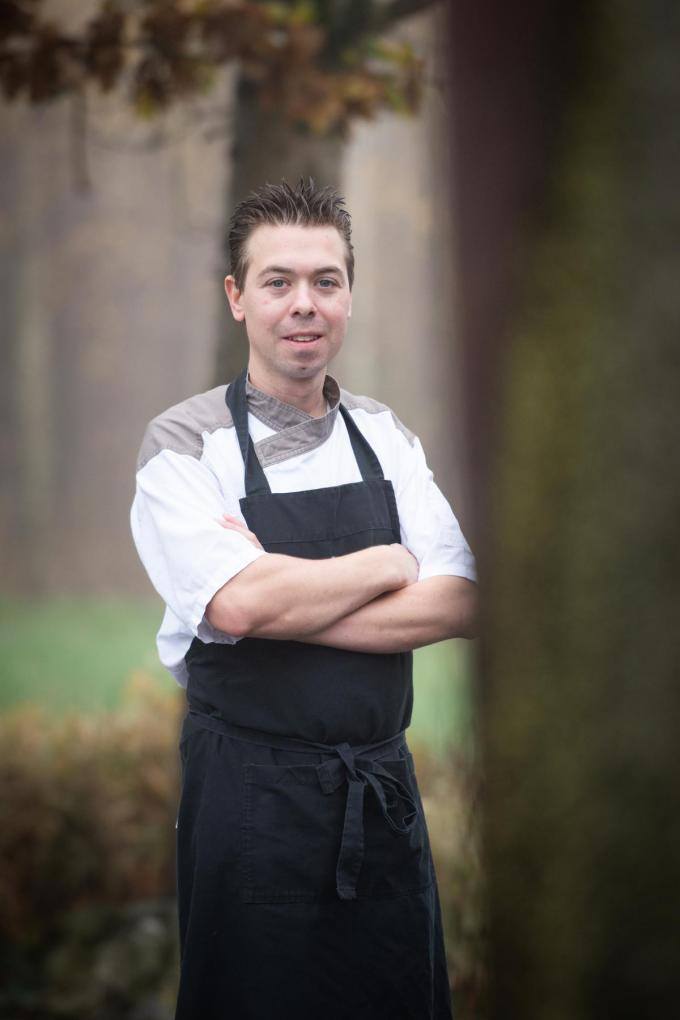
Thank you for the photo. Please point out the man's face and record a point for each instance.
(295, 302)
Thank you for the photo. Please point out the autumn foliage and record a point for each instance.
(320, 64)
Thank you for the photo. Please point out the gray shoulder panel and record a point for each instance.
(352, 403)
(181, 427)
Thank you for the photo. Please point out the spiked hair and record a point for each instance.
(304, 205)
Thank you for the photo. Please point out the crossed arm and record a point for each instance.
(368, 601)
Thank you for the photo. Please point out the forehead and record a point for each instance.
(302, 248)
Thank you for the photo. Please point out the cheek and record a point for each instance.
(338, 309)
(340, 316)
(265, 312)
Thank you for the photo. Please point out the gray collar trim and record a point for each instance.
(296, 431)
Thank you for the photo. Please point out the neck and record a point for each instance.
(305, 394)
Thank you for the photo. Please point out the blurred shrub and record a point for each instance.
(87, 862)
(449, 786)
(87, 869)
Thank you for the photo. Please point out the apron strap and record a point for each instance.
(255, 479)
(256, 483)
(368, 463)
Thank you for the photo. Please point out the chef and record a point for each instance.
(303, 551)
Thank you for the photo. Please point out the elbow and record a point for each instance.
(469, 621)
(463, 612)
(468, 630)
(231, 616)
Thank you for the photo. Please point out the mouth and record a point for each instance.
(303, 338)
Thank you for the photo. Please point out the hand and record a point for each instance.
(407, 562)
(234, 524)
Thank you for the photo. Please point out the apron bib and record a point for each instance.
(305, 879)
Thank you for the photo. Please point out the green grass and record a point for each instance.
(442, 703)
(75, 655)
(79, 655)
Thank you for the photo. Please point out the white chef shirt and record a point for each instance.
(190, 472)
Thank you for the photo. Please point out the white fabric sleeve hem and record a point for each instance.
(459, 570)
(179, 673)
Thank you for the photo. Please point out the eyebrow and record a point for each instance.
(287, 271)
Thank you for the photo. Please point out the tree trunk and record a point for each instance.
(27, 509)
(579, 680)
(267, 149)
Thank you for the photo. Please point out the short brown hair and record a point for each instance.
(279, 204)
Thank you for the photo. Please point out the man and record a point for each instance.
(303, 551)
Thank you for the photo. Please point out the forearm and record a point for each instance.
(421, 614)
(285, 596)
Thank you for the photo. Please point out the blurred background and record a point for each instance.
(512, 172)
(129, 131)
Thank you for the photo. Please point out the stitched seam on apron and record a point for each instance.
(320, 538)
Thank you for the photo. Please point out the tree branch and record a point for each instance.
(348, 23)
(323, 74)
(397, 10)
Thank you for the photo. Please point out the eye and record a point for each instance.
(326, 283)
(277, 284)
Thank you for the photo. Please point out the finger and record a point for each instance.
(252, 537)
(231, 524)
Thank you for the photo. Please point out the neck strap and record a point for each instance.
(256, 483)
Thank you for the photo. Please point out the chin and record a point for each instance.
(304, 371)
(305, 367)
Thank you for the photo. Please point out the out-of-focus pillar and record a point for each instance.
(567, 156)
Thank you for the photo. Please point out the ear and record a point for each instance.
(349, 310)
(234, 298)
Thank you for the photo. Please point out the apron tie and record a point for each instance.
(349, 765)
(391, 794)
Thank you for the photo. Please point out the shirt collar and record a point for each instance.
(295, 431)
(279, 415)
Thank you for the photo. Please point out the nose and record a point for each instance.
(303, 300)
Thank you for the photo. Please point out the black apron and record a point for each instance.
(305, 879)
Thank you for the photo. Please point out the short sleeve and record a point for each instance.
(187, 554)
(429, 528)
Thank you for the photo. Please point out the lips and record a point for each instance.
(303, 338)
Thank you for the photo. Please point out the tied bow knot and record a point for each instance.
(390, 793)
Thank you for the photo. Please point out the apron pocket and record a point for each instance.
(292, 834)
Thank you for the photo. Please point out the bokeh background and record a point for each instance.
(512, 170)
(119, 175)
